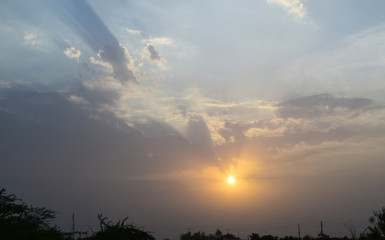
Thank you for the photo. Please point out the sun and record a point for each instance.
(231, 180)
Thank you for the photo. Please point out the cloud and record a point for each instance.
(292, 6)
(321, 105)
(78, 100)
(115, 54)
(115, 63)
(355, 65)
(159, 41)
(134, 32)
(152, 152)
(93, 31)
(4, 84)
(101, 63)
(153, 56)
(72, 53)
(178, 110)
(312, 120)
(31, 38)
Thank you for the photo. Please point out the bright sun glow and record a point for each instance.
(231, 180)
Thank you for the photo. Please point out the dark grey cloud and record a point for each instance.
(115, 55)
(154, 55)
(320, 105)
(88, 25)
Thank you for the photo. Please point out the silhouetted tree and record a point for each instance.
(254, 236)
(199, 236)
(218, 234)
(185, 236)
(377, 228)
(289, 238)
(269, 237)
(307, 237)
(119, 231)
(195, 236)
(229, 236)
(20, 221)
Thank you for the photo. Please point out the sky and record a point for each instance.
(145, 108)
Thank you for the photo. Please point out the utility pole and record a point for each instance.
(322, 234)
(299, 231)
(73, 223)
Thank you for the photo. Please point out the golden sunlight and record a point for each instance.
(231, 180)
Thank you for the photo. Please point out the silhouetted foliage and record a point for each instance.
(323, 236)
(196, 236)
(377, 228)
(351, 229)
(202, 236)
(307, 237)
(20, 221)
(229, 236)
(254, 236)
(119, 231)
(218, 233)
(269, 237)
(289, 238)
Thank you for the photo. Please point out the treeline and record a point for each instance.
(19, 221)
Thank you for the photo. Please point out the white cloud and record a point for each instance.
(293, 6)
(100, 63)
(159, 41)
(134, 32)
(72, 53)
(137, 103)
(78, 100)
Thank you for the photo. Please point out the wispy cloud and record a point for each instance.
(292, 6)
(30, 38)
(4, 84)
(353, 65)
